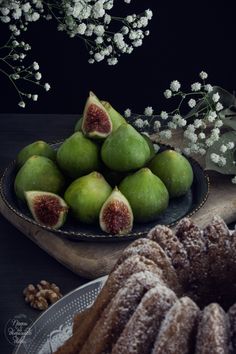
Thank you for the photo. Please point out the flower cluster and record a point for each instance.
(90, 20)
(202, 125)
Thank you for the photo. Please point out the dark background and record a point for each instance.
(186, 37)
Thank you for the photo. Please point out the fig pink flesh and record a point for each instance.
(96, 120)
(116, 217)
(47, 209)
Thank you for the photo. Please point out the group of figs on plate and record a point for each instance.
(106, 172)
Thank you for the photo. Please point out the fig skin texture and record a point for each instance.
(38, 173)
(78, 156)
(151, 147)
(125, 149)
(86, 195)
(116, 216)
(47, 208)
(96, 122)
(78, 125)
(174, 170)
(146, 194)
(40, 148)
(116, 118)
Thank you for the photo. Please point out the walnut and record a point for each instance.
(42, 295)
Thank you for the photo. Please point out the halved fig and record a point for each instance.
(116, 216)
(47, 208)
(96, 121)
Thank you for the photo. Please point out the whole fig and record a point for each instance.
(146, 194)
(116, 118)
(38, 173)
(78, 156)
(150, 144)
(40, 148)
(174, 170)
(125, 149)
(86, 196)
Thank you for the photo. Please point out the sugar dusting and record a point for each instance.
(177, 329)
(212, 336)
(139, 334)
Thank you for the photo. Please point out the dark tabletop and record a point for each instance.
(21, 261)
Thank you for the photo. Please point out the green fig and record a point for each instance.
(47, 208)
(150, 144)
(116, 118)
(38, 173)
(96, 123)
(174, 170)
(125, 149)
(116, 216)
(146, 194)
(39, 147)
(78, 156)
(78, 125)
(86, 195)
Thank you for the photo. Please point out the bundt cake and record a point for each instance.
(169, 293)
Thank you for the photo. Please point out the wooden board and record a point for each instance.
(92, 260)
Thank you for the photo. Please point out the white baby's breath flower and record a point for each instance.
(202, 136)
(172, 125)
(139, 123)
(35, 97)
(166, 134)
(196, 86)
(230, 145)
(164, 115)
(192, 103)
(35, 66)
(21, 104)
(168, 94)
(211, 116)
(156, 126)
(38, 76)
(127, 113)
(219, 106)
(175, 86)
(218, 123)
(148, 111)
(156, 147)
(146, 123)
(233, 180)
(197, 123)
(187, 151)
(203, 75)
(208, 88)
(216, 97)
(222, 161)
(223, 148)
(47, 86)
(215, 158)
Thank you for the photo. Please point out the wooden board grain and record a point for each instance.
(92, 260)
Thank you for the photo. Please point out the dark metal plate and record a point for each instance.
(74, 230)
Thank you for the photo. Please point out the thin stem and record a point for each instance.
(13, 83)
